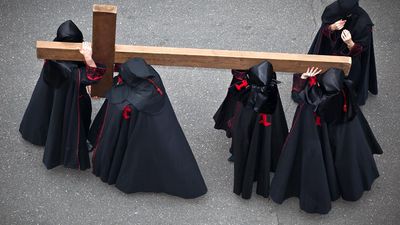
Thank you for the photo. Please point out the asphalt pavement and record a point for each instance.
(30, 194)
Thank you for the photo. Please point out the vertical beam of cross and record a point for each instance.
(103, 44)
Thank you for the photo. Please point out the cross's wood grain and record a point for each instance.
(104, 28)
(105, 51)
(208, 58)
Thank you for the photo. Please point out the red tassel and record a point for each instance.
(317, 119)
(345, 101)
(264, 120)
(126, 113)
(242, 84)
(312, 81)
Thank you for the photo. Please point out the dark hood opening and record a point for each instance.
(348, 6)
(263, 95)
(262, 74)
(331, 81)
(341, 9)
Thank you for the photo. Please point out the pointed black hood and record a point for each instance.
(140, 85)
(60, 70)
(263, 88)
(348, 6)
(332, 97)
(135, 71)
(262, 74)
(69, 32)
(331, 81)
(340, 9)
(349, 10)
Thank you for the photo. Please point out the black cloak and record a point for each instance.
(226, 115)
(138, 143)
(60, 108)
(35, 122)
(326, 42)
(258, 132)
(329, 151)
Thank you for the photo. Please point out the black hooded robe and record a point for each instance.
(329, 151)
(258, 133)
(326, 42)
(138, 143)
(35, 122)
(59, 112)
(225, 115)
(70, 118)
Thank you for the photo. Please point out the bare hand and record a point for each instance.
(86, 51)
(310, 72)
(338, 25)
(346, 37)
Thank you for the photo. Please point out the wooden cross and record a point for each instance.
(105, 51)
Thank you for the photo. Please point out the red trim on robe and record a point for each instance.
(95, 73)
(156, 86)
(344, 101)
(326, 31)
(356, 50)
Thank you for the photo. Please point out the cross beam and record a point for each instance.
(192, 57)
(104, 28)
(105, 51)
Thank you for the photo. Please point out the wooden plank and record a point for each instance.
(227, 59)
(58, 50)
(208, 58)
(105, 8)
(104, 28)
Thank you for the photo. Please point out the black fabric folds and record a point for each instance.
(59, 112)
(328, 153)
(359, 24)
(138, 143)
(252, 114)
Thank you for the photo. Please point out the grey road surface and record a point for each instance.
(30, 194)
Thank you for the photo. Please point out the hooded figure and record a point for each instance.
(329, 151)
(226, 114)
(35, 122)
(59, 112)
(329, 42)
(258, 132)
(138, 143)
